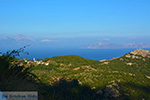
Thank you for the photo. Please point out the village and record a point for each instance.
(29, 61)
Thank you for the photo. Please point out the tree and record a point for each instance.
(13, 76)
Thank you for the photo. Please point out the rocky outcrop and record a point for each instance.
(138, 54)
(141, 52)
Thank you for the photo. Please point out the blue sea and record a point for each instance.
(95, 54)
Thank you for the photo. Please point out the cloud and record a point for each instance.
(47, 40)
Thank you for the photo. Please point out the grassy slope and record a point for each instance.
(130, 81)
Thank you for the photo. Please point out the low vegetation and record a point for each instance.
(75, 78)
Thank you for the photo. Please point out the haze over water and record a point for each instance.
(95, 54)
(50, 27)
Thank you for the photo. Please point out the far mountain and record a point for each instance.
(16, 40)
(106, 45)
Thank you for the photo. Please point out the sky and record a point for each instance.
(79, 22)
(63, 18)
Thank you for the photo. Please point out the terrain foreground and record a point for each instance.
(72, 77)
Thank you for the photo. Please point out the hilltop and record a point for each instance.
(142, 52)
(138, 53)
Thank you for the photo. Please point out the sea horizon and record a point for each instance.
(94, 54)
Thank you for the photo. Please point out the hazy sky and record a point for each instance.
(75, 18)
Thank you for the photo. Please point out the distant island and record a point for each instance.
(106, 45)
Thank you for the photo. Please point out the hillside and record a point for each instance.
(123, 78)
(72, 77)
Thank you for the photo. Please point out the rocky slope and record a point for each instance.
(139, 53)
